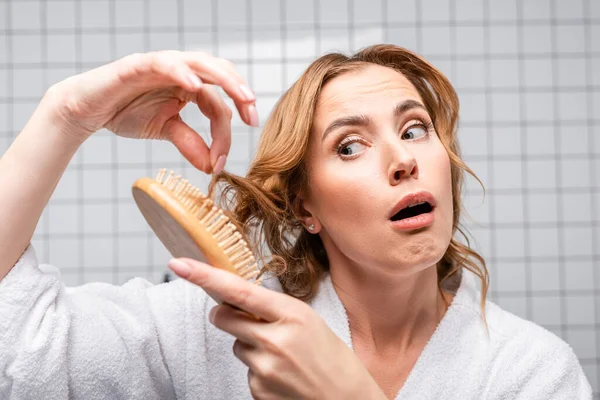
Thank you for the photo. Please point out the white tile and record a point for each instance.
(436, 41)
(95, 14)
(578, 241)
(507, 175)
(63, 218)
(570, 39)
(503, 10)
(571, 72)
(164, 152)
(299, 12)
(537, 73)
(300, 44)
(28, 83)
(508, 208)
(480, 168)
(506, 141)
(97, 184)
(402, 11)
(576, 207)
(129, 13)
(473, 141)
(468, 10)
(514, 305)
(541, 174)
(131, 151)
(240, 147)
(367, 37)
(199, 41)
(164, 13)
(572, 106)
(60, 14)
(537, 39)
(475, 209)
(469, 40)
(126, 178)
(265, 46)
(22, 112)
(578, 144)
(3, 49)
(506, 107)
(435, 10)
(98, 149)
(541, 207)
(26, 48)
(575, 173)
(403, 36)
(197, 13)
(469, 74)
(65, 253)
(536, 9)
(335, 40)
(579, 275)
(233, 45)
(580, 310)
(368, 11)
(473, 107)
(547, 311)
(160, 254)
(294, 71)
(595, 34)
(583, 343)
(131, 219)
(98, 252)
(3, 115)
(543, 242)
(504, 73)
(266, 13)
(56, 75)
(133, 251)
(98, 218)
(591, 370)
(509, 242)
(545, 275)
(595, 105)
(68, 185)
(99, 276)
(129, 43)
(540, 140)
(60, 48)
(333, 11)
(482, 242)
(25, 14)
(95, 47)
(164, 41)
(569, 10)
(232, 13)
(503, 40)
(539, 106)
(268, 78)
(510, 276)
(594, 73)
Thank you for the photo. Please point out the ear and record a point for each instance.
(304, 214)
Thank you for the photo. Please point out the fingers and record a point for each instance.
(237, 323)
(189, 143)
(214, 108)
(232, 289)
(222, 73)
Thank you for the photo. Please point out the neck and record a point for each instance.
(390, 313)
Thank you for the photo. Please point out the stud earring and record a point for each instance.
(311, 227)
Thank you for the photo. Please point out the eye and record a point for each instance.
(415, 132)
(350, 149)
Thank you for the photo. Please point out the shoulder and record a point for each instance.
(531, 361)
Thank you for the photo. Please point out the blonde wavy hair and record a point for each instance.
(265, 202)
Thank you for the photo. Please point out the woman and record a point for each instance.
(355, 189)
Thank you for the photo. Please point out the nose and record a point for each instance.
(403, 164)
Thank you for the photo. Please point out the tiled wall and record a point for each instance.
(528, 76)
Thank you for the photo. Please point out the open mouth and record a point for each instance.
(412, 211)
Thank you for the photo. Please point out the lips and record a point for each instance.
(412, 205)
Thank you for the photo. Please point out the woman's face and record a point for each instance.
(372, 145)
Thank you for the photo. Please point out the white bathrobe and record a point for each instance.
(140, 341)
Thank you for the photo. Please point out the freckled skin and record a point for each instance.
(352, 198)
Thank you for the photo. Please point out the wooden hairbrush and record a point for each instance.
(190, 225)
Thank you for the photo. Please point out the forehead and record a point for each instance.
(369, 88)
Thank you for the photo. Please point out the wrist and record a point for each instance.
(54, 110)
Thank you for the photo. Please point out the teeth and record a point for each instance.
(418, 204)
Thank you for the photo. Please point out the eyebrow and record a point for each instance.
(363, 120)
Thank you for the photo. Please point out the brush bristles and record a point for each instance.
(215, 221)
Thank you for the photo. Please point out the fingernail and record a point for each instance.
(211, 314)
(181, 268)
(247, 93)
(253, 115)
(195, 81)
(219, 165)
